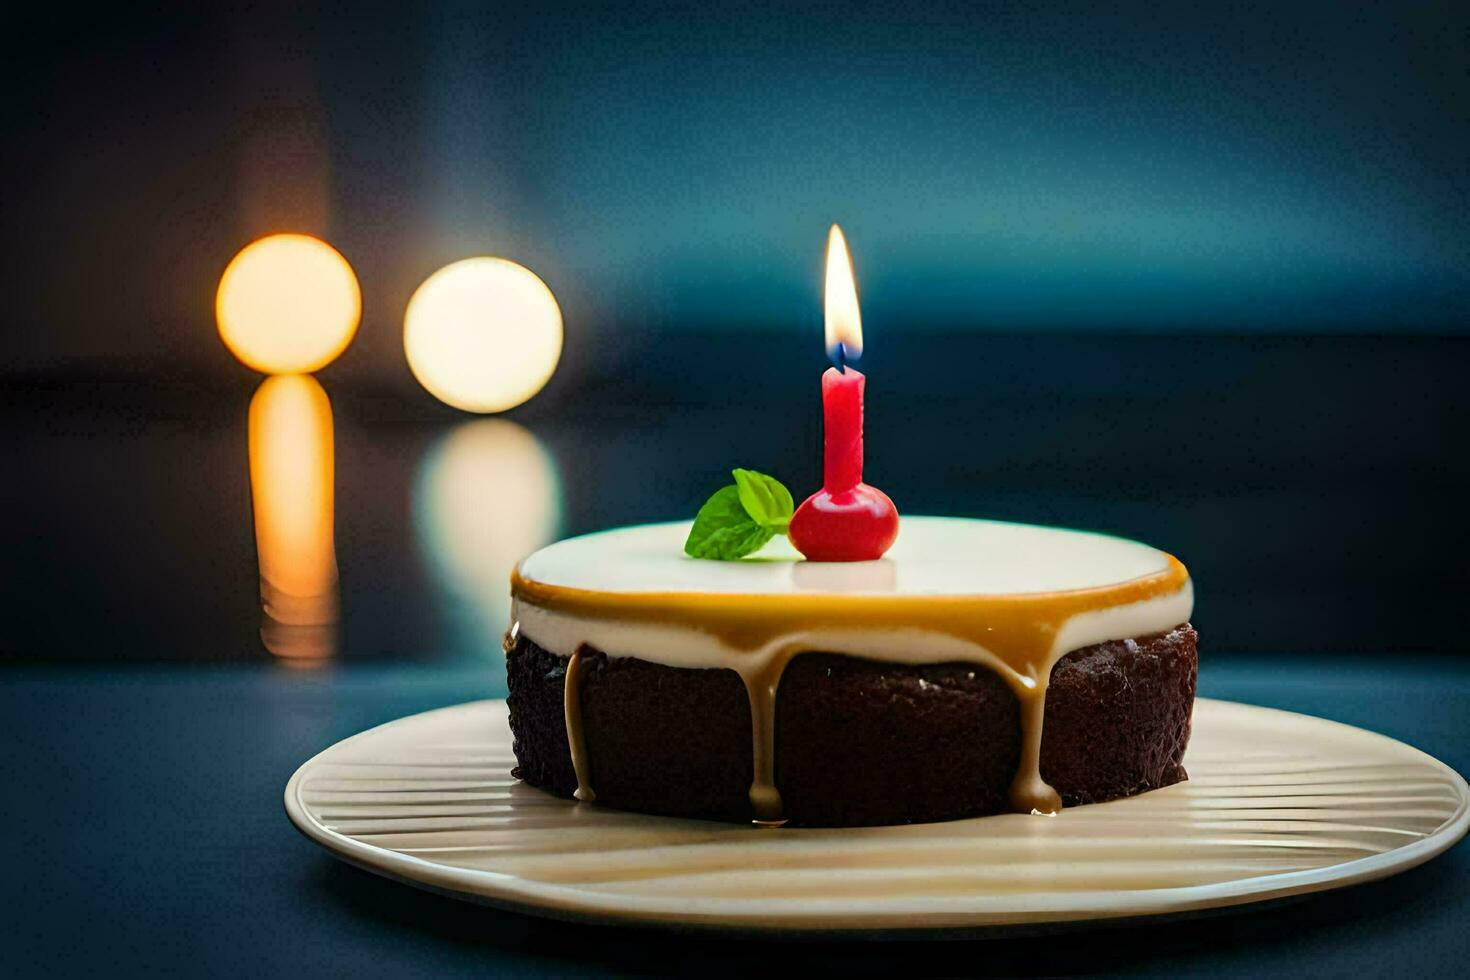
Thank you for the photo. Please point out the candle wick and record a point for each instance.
(841, 359)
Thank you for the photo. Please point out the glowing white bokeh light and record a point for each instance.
(288, 304)
(483, 334)
(486, 496)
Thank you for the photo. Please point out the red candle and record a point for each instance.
(846, 520)
(842, 417)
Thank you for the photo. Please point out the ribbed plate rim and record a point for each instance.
(569, 902)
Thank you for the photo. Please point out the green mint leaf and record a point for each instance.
(723, 530)
(765, 499)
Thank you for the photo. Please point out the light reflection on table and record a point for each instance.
(485, 495)
(292, 493)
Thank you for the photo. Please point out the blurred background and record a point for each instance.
(1195, 276)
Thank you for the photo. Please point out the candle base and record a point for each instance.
(859, 524)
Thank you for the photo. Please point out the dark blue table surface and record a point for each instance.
(145, 831)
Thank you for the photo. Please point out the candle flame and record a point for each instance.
(844, 321)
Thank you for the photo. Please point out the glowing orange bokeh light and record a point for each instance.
(288, 304)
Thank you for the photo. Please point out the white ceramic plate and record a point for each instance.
(1278, 804)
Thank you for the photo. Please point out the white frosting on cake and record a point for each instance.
(934, 556)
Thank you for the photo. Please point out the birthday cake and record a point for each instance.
(977, 668)
(957, 669)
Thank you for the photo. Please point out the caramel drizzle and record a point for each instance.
(1015, 633)
(571, 700)
(1029, 792)
(760, 688)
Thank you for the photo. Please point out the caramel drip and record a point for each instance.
(760, 687)
(1015, 635)
(1029, 792)
(576, 739)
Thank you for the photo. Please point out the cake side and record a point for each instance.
(860, 742)
(1118, 717)
(667, 740)
(857, 741)
(537, 682)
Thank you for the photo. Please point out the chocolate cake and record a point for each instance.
(981, 668)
